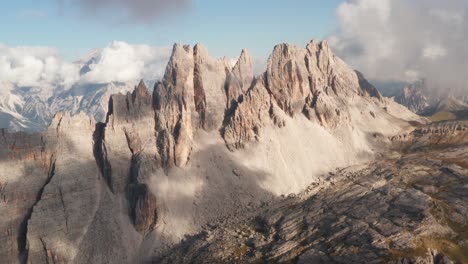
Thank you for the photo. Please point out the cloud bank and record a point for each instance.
(406, 40)
(118, 62)
(122, 62)
(139, 11)
(35, 66)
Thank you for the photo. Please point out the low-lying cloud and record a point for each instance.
(118, 62)
(139, 11)
(406, 40)
(122, 62)
(35, 66)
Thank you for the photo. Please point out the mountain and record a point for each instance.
(382, 211)
(26, 109)
(32, 108)
(419, 98)
(217, 165)
(11, 106)
(449, 104)
(389, 88)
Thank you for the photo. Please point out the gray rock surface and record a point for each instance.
(425, 100)
(239, 79)
(173, 102)
(157, 170)
(250, 114)
(404, 208)
(209, 86)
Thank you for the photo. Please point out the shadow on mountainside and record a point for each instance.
(392, 209)
(214, 190)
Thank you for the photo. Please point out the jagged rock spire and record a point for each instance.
(240, 78)
(131, 105)
(173, 106)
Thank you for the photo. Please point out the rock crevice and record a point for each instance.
(100, 154)
(23, 248)
(143, 209)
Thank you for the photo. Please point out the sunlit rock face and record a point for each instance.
(311, 82)
(240, 78)
(211, 145)
(174, 107)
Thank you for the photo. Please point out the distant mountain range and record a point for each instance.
(28, 109)
(32, 108)
(420, 99)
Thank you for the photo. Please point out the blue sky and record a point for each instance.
(225, 27)
(385, 39)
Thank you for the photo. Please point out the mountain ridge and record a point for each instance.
(419, 98)
(198, 149)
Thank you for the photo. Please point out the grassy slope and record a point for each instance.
(442, 116)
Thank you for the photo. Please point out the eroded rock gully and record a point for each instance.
(142, 203)
(100, 154)
(158, 170)
(23, 249)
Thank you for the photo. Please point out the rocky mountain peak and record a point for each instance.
(179, 66)
(141, 97)
(324, 45)
(130, 106)
(240, 79)
(200, 51)
(141, 89)
(313, 46)
(201, 92)
(173, 108)
(287, 77)
(244, 57)
(208, 142)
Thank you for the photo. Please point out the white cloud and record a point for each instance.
(434, 52)
(118, 62)
(412, 75)
(453, 16)
(122, 62)
(35, 66)
(394, 39)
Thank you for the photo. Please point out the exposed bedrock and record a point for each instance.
(143, 205)
(158, 167)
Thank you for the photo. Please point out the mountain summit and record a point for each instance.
(210, 146)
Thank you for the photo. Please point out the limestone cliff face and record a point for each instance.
(239, 79)
(173, 102)
(209, 86)
(129, 153)
(191, 96)
(25, 163)
(128, 131)
(70, 198)
(71, 181)
(286, 77)
(198, 92)
(310, 81)
(250, 114)
(83, 184)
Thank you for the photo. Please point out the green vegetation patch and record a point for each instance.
(442, 116)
